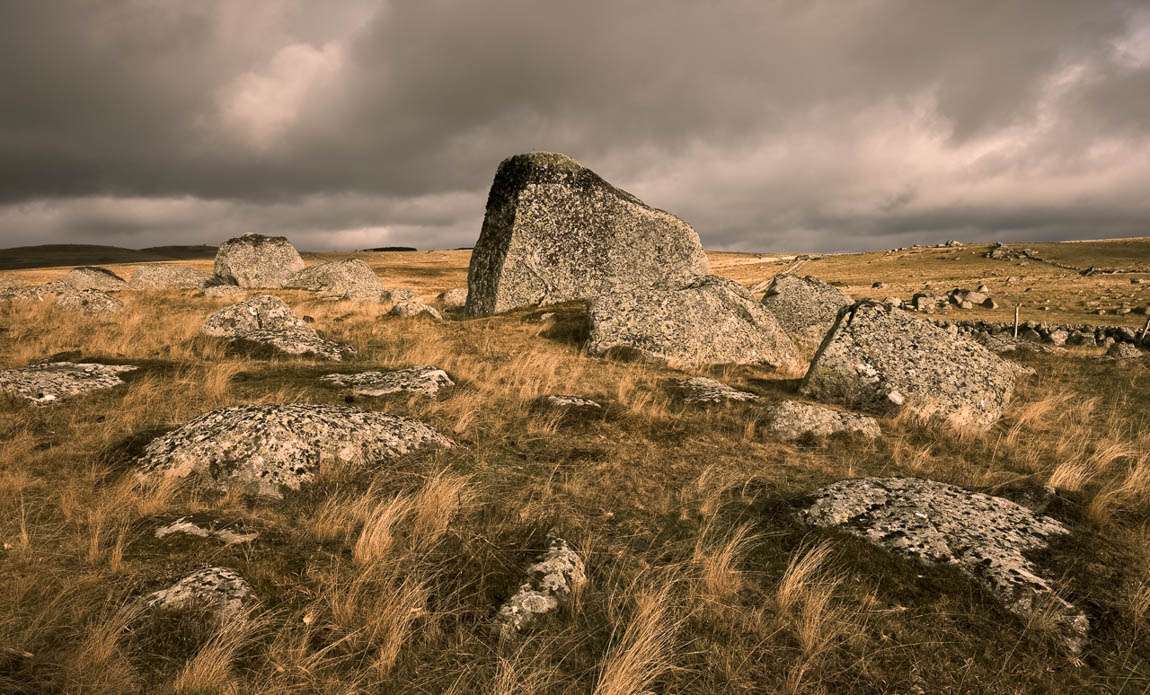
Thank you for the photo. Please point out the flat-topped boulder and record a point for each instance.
(217, 589)
(987, 538)
(554, 231)
(880, 358)
(422, 381)
(791, 420)
(701, 390)
(51, 382)
(264, 448)
(805, 307)
(711, 321)
(347, 279)
(163, 276)
(90, 302)
(550, 583)
(261, 312)
(90, 277)
(255, 260)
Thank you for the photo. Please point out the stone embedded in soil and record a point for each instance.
(551, 581)
(47, 383)
(264, 320)
(219, 589)
(424, 381)
(564, 401)
(347, 279)
(985, 537)
(297, 342)
(89, 302)
(161, 276)
(409, 309)
(700, 390)
(791, 420)
(266, 447)
(1123, 351)
(255, 260)
(228, 534)
(89, 277)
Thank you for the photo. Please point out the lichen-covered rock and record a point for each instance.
(218, 589)
(163, 276)
(90, 277)
(47, 383)
(255, 260)
(89, 302)
(410, 309)
(266, 447)
(879, 358)
(565, 401)
(297, 342)
(349, 279)
(550, 583)
(791, 420)
(423, 381)
(701, 390)
(805, 307)
(711, 321)
(28, 293)
(555, 231)
(455, 298)
(199, 526)
(985, 537)
(261, 312)
(1123, 351)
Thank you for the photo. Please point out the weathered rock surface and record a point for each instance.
(266, 447)
(397, 295)
(701, 390)
(27, 293)
(566, 401)
(255, 260)
(161, 276)
(89, 302)
(228, 534)
(711, 321)
(791, 420)
(985, 537)
(264, 320)
(297, 342)
(805, 307)
(424, 381)
(550, 583)
(48, 383)
(349, 279)
(219, 589)
(555, 231)
(90, 277)
(1123, 351)
(455, 298)
(880, 358)
(410, 309)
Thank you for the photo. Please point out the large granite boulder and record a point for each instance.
(255, 260)
(348, 279)
(805, 306)
(90, 277)
(162, 276)
(266, 447)
(555, 232)
(710, 321)
(48, 383)
(266, 321)
(880, 358)
(987, 538)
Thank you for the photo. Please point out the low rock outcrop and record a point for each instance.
(880, 358)
(47, 383)
(228, 534)
(1123, 351)
(267, 321)
(161, 276)
(987, 538)
(805, 307)
(791, 420)
(555, 231)
(711, 321)
(347, 279)
(551, 581)
(266, 447)
(89, 302)
(218, 589)
(255, 260)
(568, 404)
(423, 381)
(90, 277)
(411, 309)
(701, 390)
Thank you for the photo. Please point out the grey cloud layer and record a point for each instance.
(825, 125)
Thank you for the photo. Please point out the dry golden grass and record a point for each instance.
(645, 647)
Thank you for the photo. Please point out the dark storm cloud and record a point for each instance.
(767, 125)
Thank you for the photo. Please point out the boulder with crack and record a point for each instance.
(701, 390)
(423, 381)
(218, 589)
(47, 383)
(805, 307)
(90, 277)
(554, 231)
(712, 321)
(985, 537)
(880, 358)
(266, 447)
(162, 276)
(551, 581)
(255, 260)
(346, 279)
(791, 420)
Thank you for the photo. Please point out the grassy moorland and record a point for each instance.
(701, 579)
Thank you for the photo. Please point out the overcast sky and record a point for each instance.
(767, 125)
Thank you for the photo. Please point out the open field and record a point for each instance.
(701, 579)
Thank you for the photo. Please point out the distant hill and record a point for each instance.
(48, 255)
(393, 248)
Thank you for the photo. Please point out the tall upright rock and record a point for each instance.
(555, 232)
(255, 260)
